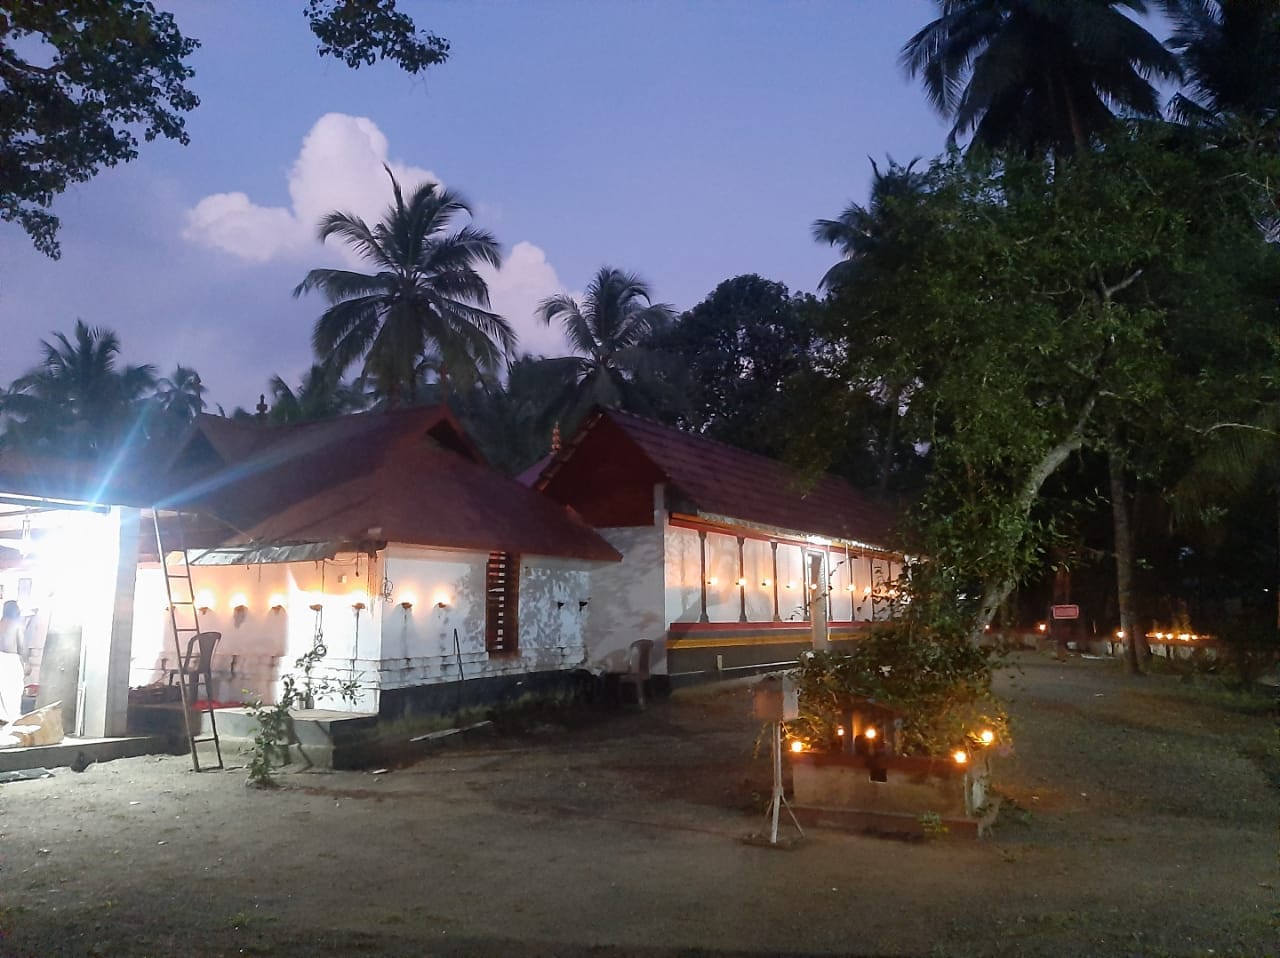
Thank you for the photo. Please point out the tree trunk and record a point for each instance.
(891, 440)
(998, 590)
(1124, 563)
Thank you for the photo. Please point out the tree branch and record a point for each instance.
(1109, 291)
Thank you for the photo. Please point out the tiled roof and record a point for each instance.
(406, 476)
(720, 480)
(74, 480)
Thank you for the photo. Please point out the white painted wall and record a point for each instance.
(849, 578)
(757, 561)
(682, 574)
(446, 592)
(722, 577)
(791, 580)
(385, 645)
(259, 644)
(627, 599)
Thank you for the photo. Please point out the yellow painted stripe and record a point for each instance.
(746, 640)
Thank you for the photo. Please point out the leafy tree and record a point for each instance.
(79, 400)
(81, 79)
(1038, 75)
(1108, 303)
(321, 395)
(364, 31)
(512, 421)
(742, 350)
(608, 331)
(423, 295)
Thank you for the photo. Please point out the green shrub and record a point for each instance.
(937, 680)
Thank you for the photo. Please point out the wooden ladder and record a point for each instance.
(182, 610)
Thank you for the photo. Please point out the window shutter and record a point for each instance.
(502, 600)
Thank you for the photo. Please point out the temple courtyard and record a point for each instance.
(1139, 818)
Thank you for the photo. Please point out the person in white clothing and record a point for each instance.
(13, 662)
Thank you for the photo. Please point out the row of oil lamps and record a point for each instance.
(960, 755)
(206, 603)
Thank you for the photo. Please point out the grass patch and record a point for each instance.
(247, 919)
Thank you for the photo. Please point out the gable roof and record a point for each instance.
(71, 480)
(408, 475)
(718, 481)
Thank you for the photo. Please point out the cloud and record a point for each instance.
(230, 222)
(339, 167)
(525, 280)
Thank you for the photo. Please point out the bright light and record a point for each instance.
(960, 757)
(840, 730)
(239, 601)
(1043, 627)
(870, 733)
(408, 600)
(849, 587)
(764, 583)
(441, 600)
(986, 736)
(711, 581)
(205, 600)
(1119, 633)
(741, 581)
(866, 591)
(797, 746)
(277, 601)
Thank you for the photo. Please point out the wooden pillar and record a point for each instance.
(773, 546)
(742, 583)
(702, 565)
(818, 609)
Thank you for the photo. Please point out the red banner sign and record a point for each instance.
(1066, 611)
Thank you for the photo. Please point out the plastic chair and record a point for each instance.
(197, 664)
(637, 673)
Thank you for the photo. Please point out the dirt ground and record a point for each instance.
(1142, 820)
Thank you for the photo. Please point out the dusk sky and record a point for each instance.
(686, 141)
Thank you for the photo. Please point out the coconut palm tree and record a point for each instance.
(510, 420)
(78, 400)
(320, 395)
(423, 292)
(864, 233)
(181, 394)
(1038, 75)
(1230, 53)
(872, 240)
(608, 331)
